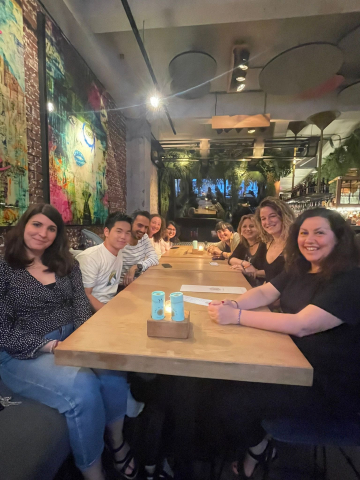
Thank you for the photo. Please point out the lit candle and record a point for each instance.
(168, 306)
(201, 248)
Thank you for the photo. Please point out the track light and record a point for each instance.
(244, 59)
(251, 130)
(240, 62)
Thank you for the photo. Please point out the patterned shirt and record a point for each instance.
(29, 310)
(143, 252)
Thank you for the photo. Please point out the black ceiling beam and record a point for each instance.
(145, 55)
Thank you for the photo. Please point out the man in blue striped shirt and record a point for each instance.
(139, 254)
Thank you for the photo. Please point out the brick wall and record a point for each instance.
(30, 9)
(116, 168)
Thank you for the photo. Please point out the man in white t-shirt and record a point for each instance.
(101, 265)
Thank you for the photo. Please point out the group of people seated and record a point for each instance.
(308, 267)
(257, 248)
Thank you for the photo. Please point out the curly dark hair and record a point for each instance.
(56, 258)
(344, 256)
(160, 234)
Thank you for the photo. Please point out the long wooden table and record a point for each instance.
(116, 338)
(206, 212)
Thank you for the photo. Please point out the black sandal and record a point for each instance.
(125, 462)
(263, 460)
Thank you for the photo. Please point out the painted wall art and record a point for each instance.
(14, 184)
(78, 134)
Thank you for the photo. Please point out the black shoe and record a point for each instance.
(263, 460)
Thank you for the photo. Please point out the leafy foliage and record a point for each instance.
(265, 173)
(342, 158)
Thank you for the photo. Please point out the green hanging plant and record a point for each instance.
(343, 158)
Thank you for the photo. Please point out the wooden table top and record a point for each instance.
(116, 338)
(194, 264)
(205, 211)
(185, 252)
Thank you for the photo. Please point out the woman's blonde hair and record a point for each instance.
(243, 218)
(283, 210)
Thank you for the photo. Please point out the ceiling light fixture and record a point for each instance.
(155, 101)
(240, 87)
(240, 65)
(251, 130)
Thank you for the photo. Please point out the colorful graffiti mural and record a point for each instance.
(14, 184)
(78, 134)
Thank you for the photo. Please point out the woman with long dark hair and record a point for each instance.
(171, 235)
(320, 301)
(42, 301)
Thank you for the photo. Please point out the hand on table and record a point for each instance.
(223, 313)
(129, 276)
(250, 271)
(246, 268)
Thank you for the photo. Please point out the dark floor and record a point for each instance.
(292, 463)
(297, 463)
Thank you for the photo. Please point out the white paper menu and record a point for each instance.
(211, 289)
(197, 301)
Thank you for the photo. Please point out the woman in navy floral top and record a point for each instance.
(42, 301)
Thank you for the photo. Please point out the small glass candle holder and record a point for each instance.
(201, 248)
(168, 307)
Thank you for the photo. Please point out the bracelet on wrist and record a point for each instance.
(239, 316)
(237, 305)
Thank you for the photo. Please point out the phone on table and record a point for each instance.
(166, 265)
(173, 248)
(218, 257)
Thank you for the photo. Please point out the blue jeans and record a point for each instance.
(89, 399)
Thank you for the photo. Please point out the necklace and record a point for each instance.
(250, 246)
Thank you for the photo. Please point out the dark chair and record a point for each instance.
(34, 440)
(318, 435)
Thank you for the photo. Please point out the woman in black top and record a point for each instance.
(249, 255)
(42, 301)
(274, 218)
(319, 298)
